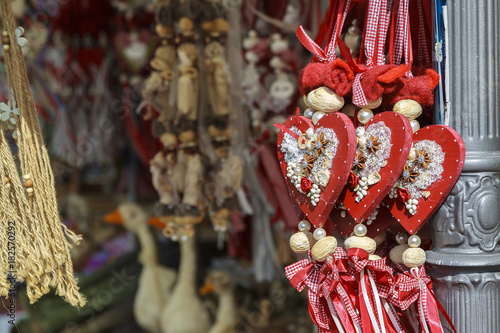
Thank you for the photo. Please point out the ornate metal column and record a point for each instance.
(465, 259)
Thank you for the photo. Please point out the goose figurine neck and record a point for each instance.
(185, 312)
(222, 285)
(155, 281)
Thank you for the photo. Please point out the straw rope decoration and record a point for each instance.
(42, 242)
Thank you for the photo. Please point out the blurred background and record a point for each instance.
(134, 96)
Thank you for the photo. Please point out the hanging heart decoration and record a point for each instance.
(314, 161)
(383, 145)
(431, 170)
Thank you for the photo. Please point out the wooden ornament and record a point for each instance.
(378, 183)
(338, 171)
(453, 149)
(344, 223)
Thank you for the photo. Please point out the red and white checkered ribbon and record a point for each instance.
(416, 286)
(423, 52)
(402, 34)
(375, 282)
(383, 26)
(304, 273)
(329, 53)
(358, 95)
(332, 287)
(377, 24)
(383, 273)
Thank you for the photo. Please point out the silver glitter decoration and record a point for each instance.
(374, 162)
(320, 173)
(427, 176)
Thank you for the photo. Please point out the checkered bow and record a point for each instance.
(383, 274)
(410, 286)
(304, 273)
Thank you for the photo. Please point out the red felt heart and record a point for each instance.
(443, 152)
(339, 131)
(393, 133)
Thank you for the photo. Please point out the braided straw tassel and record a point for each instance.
(43, 243)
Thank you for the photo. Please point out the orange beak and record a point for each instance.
(156, 222)
(113, 218)
(207, 288)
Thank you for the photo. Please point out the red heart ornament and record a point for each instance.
(387, 140)
(431, 171)
(345, 224)
(315, 161)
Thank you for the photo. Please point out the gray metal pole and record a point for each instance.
(465, 259)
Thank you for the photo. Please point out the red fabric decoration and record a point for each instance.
(403, 195)
(383, 79)
(419, 88)
(353, 180)
(305, 184)
(338, 76)
(311, 77)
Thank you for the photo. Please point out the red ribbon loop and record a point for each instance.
(311, 45)
(287, 130)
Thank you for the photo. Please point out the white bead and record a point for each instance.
(174, 237)
(415, 125)
(309, 132)
(415, 201)
(317, 116)
(309, 145)
(360, 230)
(401, 238)
(364, 192)
(308, 113)
(361, 183)
(360, 131)
(364, 179)
(315, 186)
(414, 241)
(304, 225)
(319, 233)
(414, 207)
(364, 116)
(343, 213)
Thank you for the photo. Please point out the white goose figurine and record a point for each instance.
(185, 312)
(222, 284)
(155, 281)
